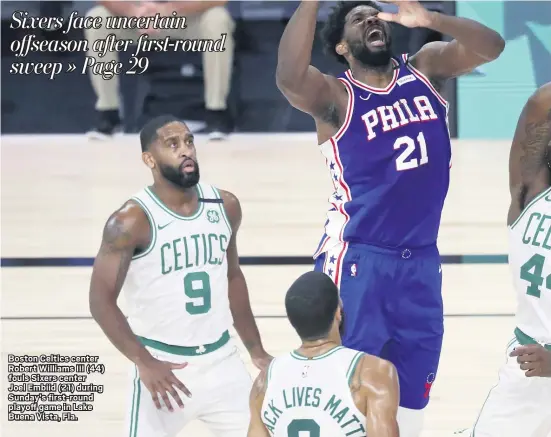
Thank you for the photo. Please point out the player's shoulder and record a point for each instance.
(540, 99)
(426, 54)
(228, 197)
(129, 214)
(371, 368)
(232, 206)
(336, 82)
(129, 220)
(543, 92)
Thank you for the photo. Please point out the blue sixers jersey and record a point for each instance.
(389, 163)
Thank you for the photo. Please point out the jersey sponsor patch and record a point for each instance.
(406, 79)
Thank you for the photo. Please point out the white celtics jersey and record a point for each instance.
(530, 263)
(311, 397)
(177, 289)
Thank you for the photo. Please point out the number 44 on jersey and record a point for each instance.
(532, 271)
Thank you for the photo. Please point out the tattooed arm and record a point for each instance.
(126, 231)
(529, 172)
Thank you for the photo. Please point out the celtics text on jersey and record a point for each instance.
(177, 289)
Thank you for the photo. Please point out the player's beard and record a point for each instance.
(368, 57)
(179, 177)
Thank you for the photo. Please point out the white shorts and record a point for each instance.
(220, 385)
(517, 406)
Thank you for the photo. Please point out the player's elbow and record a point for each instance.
(289, 90)
(284, 82)
(95, 305)
(294, 95)
(498, 45)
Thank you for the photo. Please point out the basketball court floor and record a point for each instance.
(57, 192)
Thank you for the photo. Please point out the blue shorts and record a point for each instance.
(392, 301)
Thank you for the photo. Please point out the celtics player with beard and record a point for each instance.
(520, 403)
(173, 247)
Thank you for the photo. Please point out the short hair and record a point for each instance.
(333, 29)
(148, 134)
(311, 304)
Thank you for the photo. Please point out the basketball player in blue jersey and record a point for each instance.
(382, 128)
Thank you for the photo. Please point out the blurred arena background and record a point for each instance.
(58, 187)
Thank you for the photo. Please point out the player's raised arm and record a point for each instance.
(473, 43)
(304, 86)
(256, 426)
(240, 305)
(122, 235)
(531, 151)
(379, 380)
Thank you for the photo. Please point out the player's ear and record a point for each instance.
(341, 319)
(148, 160)
(341, 48)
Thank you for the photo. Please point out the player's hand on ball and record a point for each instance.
(410, 14)
(159, 379)
(534, 359)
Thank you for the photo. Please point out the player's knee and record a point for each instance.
(216, 21)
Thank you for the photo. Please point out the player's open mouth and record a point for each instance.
(187, 165)
(375, 37)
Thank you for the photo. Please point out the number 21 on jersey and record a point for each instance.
(404, 160)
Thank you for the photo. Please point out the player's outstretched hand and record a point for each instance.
(534, 359)
(410, 14)
(159, 379)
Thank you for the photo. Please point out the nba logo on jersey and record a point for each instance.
(353, 270)
(428, 384)
(305, 371)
